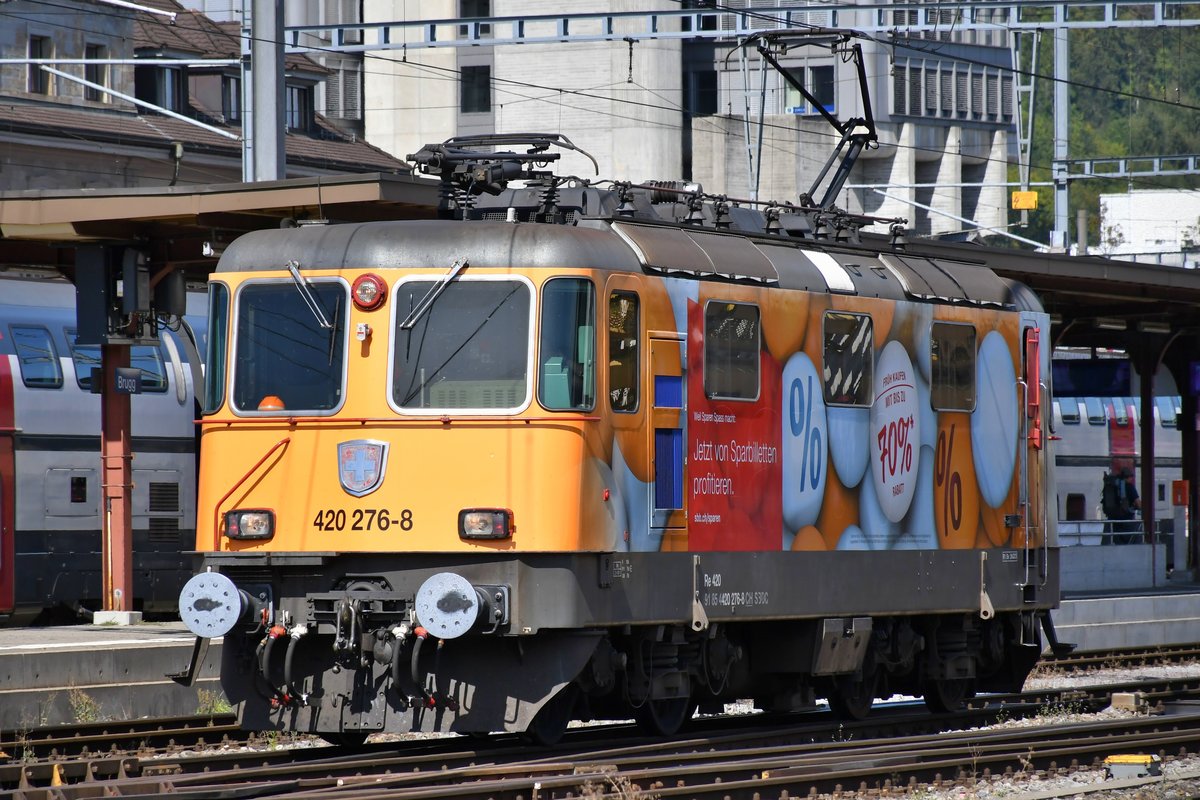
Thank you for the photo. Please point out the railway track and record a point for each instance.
(1120, 659)
(724, 756)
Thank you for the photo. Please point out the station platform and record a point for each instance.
(77, 673)
(80, 673)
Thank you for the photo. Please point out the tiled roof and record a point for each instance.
(324, 148)
(194, 33)
(327, 150)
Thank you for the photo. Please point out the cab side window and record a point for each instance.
(731, 350)
(952, 365)
(567, 350)
(623, 349)
(849, 358)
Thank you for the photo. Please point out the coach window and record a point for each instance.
(1120, 411)
(567, 350)
(731, 351)
(38, 358)
(285, 361)
(952, 367)
(1069, 410)
(462, 345)
(214, 356)
(145, 358)
(849, 356)
(1168, 411)
(623, 346)
(1095, 411)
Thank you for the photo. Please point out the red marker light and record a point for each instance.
(369, 291)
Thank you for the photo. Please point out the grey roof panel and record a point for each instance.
(698, 253)
(430, 243)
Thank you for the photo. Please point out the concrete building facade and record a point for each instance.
(1157, 226)
(694, 109)
(670, 109)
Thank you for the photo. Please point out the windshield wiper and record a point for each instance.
(434, 292)
(310, 300)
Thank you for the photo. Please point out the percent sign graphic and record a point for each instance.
(949, 483)
(800, 417)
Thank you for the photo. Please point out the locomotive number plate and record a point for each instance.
(362, 519)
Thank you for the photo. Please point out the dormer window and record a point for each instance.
(299, 110)
(231, 98)
(162, 86)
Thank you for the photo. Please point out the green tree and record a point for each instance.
(1134, 92)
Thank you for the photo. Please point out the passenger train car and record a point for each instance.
(50, 492)
(1098, 435)
(613, 453)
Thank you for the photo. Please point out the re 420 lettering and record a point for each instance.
(362, 519)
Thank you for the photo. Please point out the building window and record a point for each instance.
(900, 89)
(39, 79)
(170, 88)
(95, 73)
(703, 93)
(342, 90)
(299, 108)
(231, 98)
(793, 101)
(818, 81)
(914, 91)
(476, 88)
(474, 9)
(162, 86)
(820, 85)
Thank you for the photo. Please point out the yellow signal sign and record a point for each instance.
(1024, 201)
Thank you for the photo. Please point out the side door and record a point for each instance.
(1033, 446)
(7, 486)
(667, 431)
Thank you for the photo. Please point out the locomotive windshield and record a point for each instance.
(469, 350)
(285, 361)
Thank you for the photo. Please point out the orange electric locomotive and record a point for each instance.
(576, 452)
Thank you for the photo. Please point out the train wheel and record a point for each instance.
(550, 723)
(664, 717)
(947, 694)
(853, 696)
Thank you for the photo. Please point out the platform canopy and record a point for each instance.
(1093, 301)
(187, 227)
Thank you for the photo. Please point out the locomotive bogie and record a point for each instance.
(622, 643)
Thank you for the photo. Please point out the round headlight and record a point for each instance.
(369, 291)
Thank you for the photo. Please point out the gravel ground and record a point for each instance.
(1180, 779)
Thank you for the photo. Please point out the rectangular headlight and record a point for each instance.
(485, 523)
(250, 524)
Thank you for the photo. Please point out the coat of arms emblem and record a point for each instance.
(361, 465)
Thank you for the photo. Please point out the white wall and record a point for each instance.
(1153, 224)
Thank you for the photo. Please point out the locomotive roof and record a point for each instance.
(622, 245)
